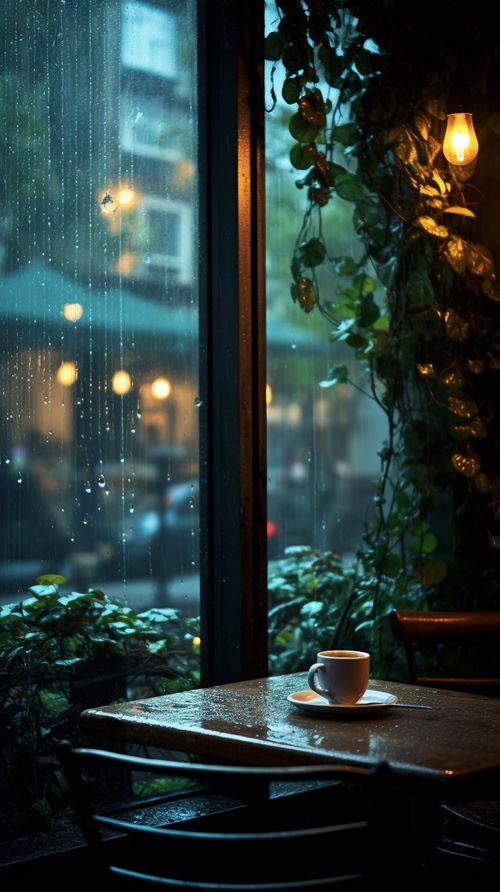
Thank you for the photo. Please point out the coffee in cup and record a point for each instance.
(340, 676)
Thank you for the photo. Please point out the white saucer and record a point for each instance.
(371, 701)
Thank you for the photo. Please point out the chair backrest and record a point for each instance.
(477, 628)
(308, 854)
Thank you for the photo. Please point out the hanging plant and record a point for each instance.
(367, 84)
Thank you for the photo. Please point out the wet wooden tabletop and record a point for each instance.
(252, 722)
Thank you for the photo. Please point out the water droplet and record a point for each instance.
(293, 345)
(122, 459)
(106, 492)
(198, 402)
(139, 413)
(309, 457)
(6, 459)
(62, 509)
(51, 433)
(132, 430)
(131, 509)
(63, 404)
(88, 487)
(19, 477)
(108, 427)
(101, 481)
(71, 538)
(85, 521)
(46, 400)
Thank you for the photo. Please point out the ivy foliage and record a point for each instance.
(367, 84)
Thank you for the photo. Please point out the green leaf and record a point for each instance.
(348, 186)
(346, 266)
(419, 289)
(425, 544)
(301, 130)
(364, 283)
(300, 156)
(429, 572)
(391, 565)
(344, 134)
(51, 579)
(337, 375)
(291, 90)
(368, 311)
(273, 46)
(312, 608)
(312, 252)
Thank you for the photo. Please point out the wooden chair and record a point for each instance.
(472, 830)
(231, 854)
(416, 629)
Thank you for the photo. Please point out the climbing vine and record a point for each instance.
(367, 84)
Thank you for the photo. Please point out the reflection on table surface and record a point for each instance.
(252, 721)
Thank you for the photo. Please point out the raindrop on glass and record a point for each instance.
(198, 402)
(131, 509)
(19, 477)
(88, 487)
(106, 492)
(85, 521)
(101, 481)
(122, 459)
(293, 345)
(309, 457)
(108, 427)
(6, 459)
(132, 430)
(46, 400)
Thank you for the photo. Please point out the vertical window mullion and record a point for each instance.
(232, 336)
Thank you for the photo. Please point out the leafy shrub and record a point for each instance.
(60, 653)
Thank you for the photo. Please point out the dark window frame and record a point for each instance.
(233, 546)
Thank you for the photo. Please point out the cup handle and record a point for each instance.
(311, 679)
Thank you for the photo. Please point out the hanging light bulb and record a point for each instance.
(460, 145)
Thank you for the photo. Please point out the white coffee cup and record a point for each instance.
(340, 676)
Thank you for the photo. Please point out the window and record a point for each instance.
(99, 301)
(322, 442)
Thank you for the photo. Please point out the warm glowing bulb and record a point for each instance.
(73, 312)
(121, 382)
(460, 145)
(66, 373)
(161, 388)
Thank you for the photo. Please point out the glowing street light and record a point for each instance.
(73, 312)
(161, 388)
(67, 373)
(121, 382)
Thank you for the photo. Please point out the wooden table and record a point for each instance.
(456, 743)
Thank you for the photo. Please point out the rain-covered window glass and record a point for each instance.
(98, 301)
(322, 441)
